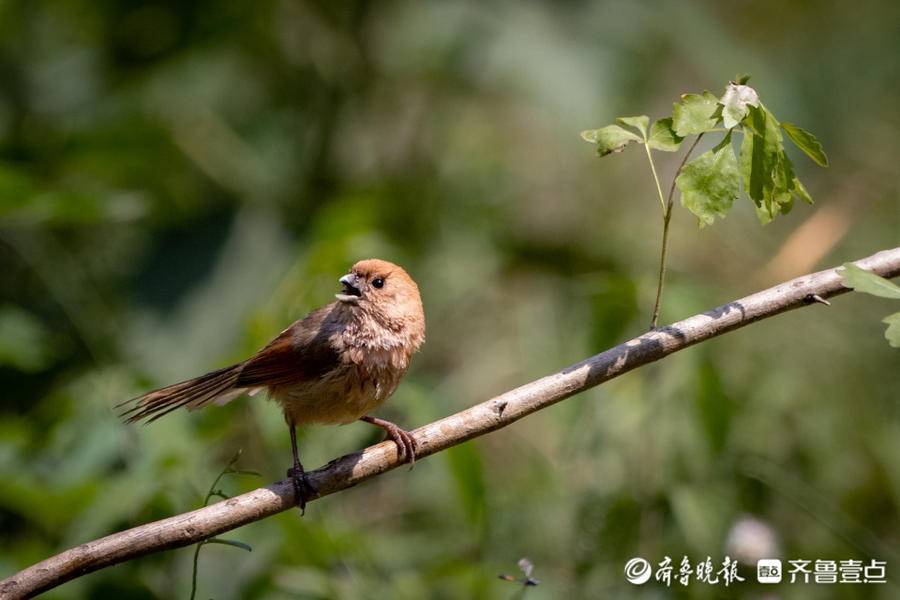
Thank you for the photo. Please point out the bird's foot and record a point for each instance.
(407, 446)
(303, 488)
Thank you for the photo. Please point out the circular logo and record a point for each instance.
(637, 571)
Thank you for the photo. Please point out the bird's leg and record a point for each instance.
(303, 488)
(406, 443)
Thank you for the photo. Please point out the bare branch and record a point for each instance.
(347, 471)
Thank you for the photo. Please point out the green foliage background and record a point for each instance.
(180, 181)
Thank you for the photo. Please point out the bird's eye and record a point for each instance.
(378, 282)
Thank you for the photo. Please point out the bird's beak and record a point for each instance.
(351, 292)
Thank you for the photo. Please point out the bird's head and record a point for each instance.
(386, 292)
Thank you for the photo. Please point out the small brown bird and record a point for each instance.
(331, 367)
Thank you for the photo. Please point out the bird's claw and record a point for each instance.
(407, 446)
(303, 488)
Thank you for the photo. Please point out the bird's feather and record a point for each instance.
(193, 393)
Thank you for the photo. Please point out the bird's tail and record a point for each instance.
(217, 386)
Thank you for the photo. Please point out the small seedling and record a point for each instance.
(711, 183)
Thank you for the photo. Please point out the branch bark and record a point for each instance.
(347, 471)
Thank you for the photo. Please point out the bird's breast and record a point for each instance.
(363, 380)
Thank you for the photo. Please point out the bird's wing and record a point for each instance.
(302, 352)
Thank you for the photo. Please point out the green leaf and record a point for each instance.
(741, 78)
(709, 184)
(726, 141)
(663, 137)
(609, 139)
(694, 114)
(782, 197)
(892, 333)
(758, 156)
(806, 142)
(868, 282)
(232, 543)
(763, 123)
(736, 103)
(767, 171)
(800, 192)
(640, 123)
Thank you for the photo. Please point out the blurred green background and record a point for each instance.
(180, 181)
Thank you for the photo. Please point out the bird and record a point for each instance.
(333, 366)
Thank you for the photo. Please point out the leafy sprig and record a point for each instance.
(216, 492)
(870, 283)
(711, 182)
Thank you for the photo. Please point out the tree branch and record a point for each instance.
(347, 471)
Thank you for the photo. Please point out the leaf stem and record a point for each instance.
(194, 574)
(667, 216)
(662, 202)
(229, 468)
